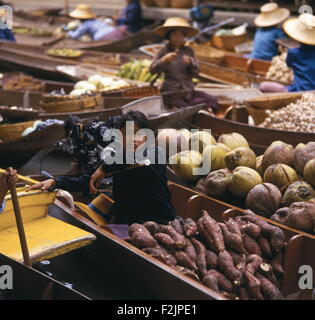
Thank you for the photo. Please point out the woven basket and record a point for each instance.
(12, 132)
(228, 42)
(139, 92)
(162, 3)
(207, 53)
(71, 105)
(181, 3)
(258, 115)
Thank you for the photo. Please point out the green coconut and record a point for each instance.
(240, 157)
(214, 154)
(281, 175)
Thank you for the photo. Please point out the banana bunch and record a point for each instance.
(137, 70)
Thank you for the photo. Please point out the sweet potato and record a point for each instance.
(237, 258)
(224, 283)
(177, 225)
(226, 265)
(190, 227)
(243, 294)
(252, 230)
(201, 256)
(211, 259)
(253, 263)
(184, 260)
(232, 240)
(266, 270)
(179, 239)
(233, 226)
(170, 259)
(251, 245)
(268, 289)
(190, 250)
(211, 232)
(277, 264)
(152, 226)
(253, 286)
(141, 237)
(155, 253)
(265, 247)
(165, 240)
(241, 265)
(187, 272)
(211, 282)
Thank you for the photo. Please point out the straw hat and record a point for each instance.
(3, 12)
(301, 29)
(271, 15)
(176, 23)
(82, 11)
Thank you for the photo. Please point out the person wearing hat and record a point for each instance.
(300, 59)
(265, 45)
(6, 178)
(131, 16)
(97, 29)
(179, 65)
(5, 34)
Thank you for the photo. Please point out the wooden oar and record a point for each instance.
(20, 226)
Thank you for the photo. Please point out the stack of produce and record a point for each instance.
(23, 82)
(241, 258)
(298, 116)
(279, 70)
(98, 83)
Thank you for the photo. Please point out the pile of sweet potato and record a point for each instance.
(241, 258)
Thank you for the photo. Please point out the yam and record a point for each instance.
(165, 240)
(233, 226)
(232, 240)
(226, 265)
(152, 226)
(253, 286)
(251, 245)
(184, 260)
(211, 282)
(252, 230)
(201, 256)
(190, 250)
(268, 289)
(141, 237)
(253, 263)
(243, 294)
(169, 258)
(224, 283)
(187, 272)
(277, 264)
(211, 259)
(155, 253)
(265, 247)
(177, 225)
(190, 227)
(178, 239)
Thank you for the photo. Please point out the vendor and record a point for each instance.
(301, 59)
(131, 16)
(269, 30)
(6, 178)
(140, 193)
(97, 29)
(5, 34)
(179, 65)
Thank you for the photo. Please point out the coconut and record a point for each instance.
(214, 154)
(258, 165)
(302, 154)
(280, 215)
(301, 215)
(309, 172)
(216, 183)
(77, 92)
(298, 191)
(171, 141)
(185, 162)
(233, 140)
(201, 185)
(278, 152)
(186, 133)
(264, 199)
(280, 175)
(242, 180)
(203, 139)
(240, 157)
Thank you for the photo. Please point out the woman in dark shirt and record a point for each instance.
(178, 63)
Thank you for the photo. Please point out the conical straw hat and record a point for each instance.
(82, 11)
(301, 29)
(176, 23)
(271, 15)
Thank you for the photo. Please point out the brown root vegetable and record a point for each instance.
(266, 270)
(169, 258)
(241, 266)
(253, 263)
(165, 240)
(177, 225)
(265, 247)
(253, 286)
(232, 240)
(211, 259)
(277, 264)
(179, 239)
(211, 282)
(190, 227)
(155, 253)
(233, 226)
(224, 283)
(251, 245)
(280, 215)
(252, 230)
(190, 250)
(211, 232)
(141, 237)
(152, 226)
(201, 256)
(226, 265)
(217, 182)
(243, 294)
(302, 154)
(184, 260)
(268, 289)
(189, 273)
(237, 258)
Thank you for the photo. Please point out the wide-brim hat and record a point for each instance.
(301, 29)
(3, 12)
(82, 11)
(271, 15)
(176, 23)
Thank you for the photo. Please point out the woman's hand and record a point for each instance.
(96, 180)
(187, 60)
(8, 177)
(44, 185)
(169, 57)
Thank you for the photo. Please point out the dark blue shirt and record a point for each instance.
(131, 17)
(302, 61)
(7, 34)
(265, 45)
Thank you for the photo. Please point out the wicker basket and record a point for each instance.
(12, 132)
(139, 92)
(181, 3)
(162, 3)
(207, 53)
(228, 42)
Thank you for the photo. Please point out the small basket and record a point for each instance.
(181, 4)
(258, 115)
(12, 132)
(162, 3)
(207, 53)
(228, 42)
